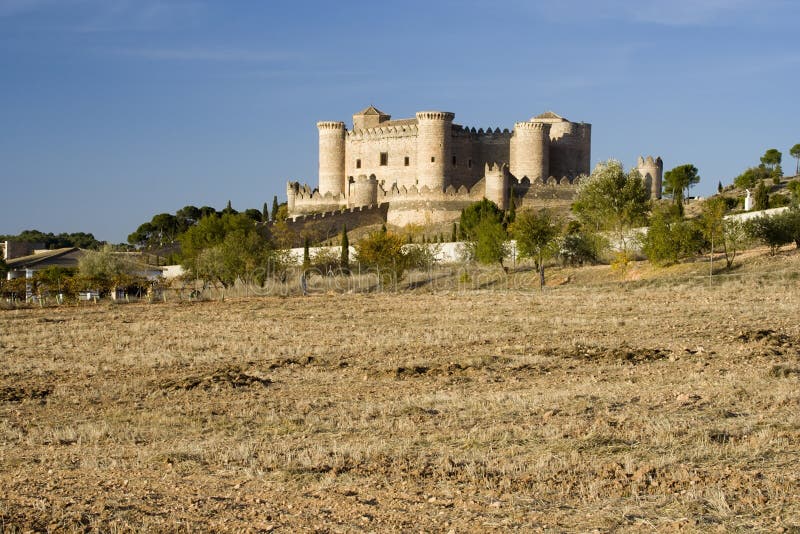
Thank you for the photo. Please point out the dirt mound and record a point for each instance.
(623, 353)
(20, 393)
(231, 376)
(766, 336)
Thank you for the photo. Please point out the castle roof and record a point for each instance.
(371, 110)
(549, 115)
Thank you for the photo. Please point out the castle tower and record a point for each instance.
(364, 191)
(291, 195)
(331, 157)
(530, 151)
(434, 130)
(652, 173)
(496, 178)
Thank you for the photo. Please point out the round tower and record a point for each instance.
(652, 173)
(364, 191)
(331, 157)
(530, 151)
(496, 180)
(433, 149)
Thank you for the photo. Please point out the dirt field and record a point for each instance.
(669, 406)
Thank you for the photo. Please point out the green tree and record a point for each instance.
(512, 208)
(770, 230)
(771, 158)
(3, 268)
(186, 217)
(670, 237)
(382, 251)
(454, 233)
(536, 234)
(306, 254)
(253, 214)
(344, 260)
(721, 232)
(750, 177)
(719, 187)
(795, 153)
(229, 209)
(265, 213)
(678, 181)
(489, 240)
(794, 187)
(612, 201)
(761, 196)
(274, 208)
(105, 269)
(476, 212)
(222, 232)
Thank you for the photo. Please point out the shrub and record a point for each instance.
(774, 231)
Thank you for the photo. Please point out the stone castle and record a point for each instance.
(426, 169)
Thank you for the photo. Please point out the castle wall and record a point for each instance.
(327, 225)
(397, 142)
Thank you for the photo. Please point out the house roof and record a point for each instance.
(34, 259)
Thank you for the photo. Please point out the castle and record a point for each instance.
(426, 169)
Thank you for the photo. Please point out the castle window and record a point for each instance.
(469, 163)
(384, 159)
(358, 164)
(433, 159)
(406, 161)
(454, 161)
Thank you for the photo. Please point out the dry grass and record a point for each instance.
(640, 406)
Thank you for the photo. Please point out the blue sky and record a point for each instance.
(115, 110)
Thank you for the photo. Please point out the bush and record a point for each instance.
(326, 260)
(774, 231)
(671, 238)
(382, 251)
(421, 256)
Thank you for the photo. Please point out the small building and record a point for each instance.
(25, 266)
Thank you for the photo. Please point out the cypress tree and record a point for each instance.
(512, 207)
(274, 207)
(306, 254)
(345, 257)
(454, 235)
(761, 196)
(719, 187)
(383, 228)
(265, 213)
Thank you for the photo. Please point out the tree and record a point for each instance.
(489, 241)
(770, 230)
(187, 216)
(794, 187)
(229, 209)
(306, 254)
(253, 214)
(727, 233)
(719, 187)
(609, 200)
(382, 251)
(476, 212)
(344, 260)
(771, 158)
(274, 208)
(536, 234)
(670, 237)
(795, 153)
(241, 248)
(265, 213)
(105, 269)
(750, 177)
(678, 181)
(761, 197)
(511, 215)
(454, 233)
(3, 268)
